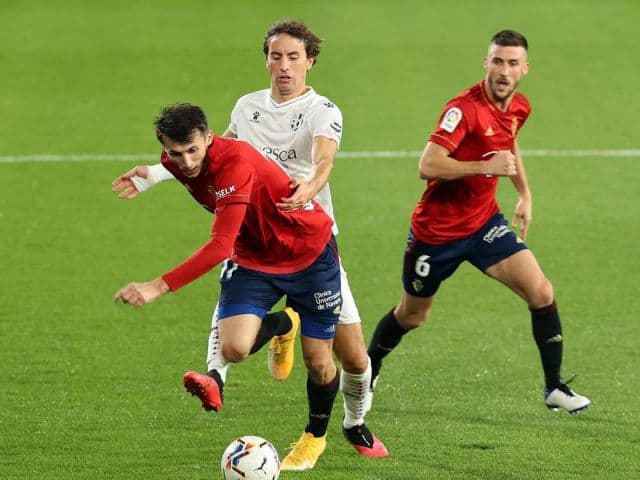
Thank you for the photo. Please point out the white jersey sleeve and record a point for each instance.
(233, 123)
(326, 121)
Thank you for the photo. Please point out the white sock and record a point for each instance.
(215, 360)
(355, 388)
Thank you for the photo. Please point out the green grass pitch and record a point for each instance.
(92, 390)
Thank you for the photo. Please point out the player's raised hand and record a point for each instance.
(303, 192)
(502, 164)
(139, 294)
(125, 185)
(522, 216)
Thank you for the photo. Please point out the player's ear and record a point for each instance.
(485, 62)
(525, 68)
(209, 138)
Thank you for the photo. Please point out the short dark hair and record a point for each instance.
(297, 30)
(179, 122)
(510, 38)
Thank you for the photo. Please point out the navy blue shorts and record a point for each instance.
(426, 265)
(313, 292)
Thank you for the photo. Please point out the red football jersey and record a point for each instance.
(269, 240)
(472, 128)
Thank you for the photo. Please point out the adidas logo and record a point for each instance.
(489, 132)
(555, 339)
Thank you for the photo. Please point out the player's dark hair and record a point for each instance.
(297, 30)
(510, 38)
(179, 122)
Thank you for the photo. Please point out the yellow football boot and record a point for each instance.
(304, 453)
(282, 348)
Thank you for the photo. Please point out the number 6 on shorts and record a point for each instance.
(422, 266)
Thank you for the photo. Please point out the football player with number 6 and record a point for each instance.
(458, 218)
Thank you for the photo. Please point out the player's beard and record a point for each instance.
(499, 96)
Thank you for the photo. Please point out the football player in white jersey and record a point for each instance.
(290, 123)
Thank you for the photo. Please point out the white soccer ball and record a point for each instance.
(250, 458)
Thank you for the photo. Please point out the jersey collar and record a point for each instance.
(310, 92)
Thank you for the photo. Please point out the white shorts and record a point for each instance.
(349, 313)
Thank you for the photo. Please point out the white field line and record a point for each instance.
(90, 157)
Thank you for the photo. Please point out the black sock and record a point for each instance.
(321, 399)
(547, 332)
(216, 376)
(359, 435)
(276, 323)
(386, 337)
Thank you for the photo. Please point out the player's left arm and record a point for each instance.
(225, 229)
(523, 211)
(229, 215)
(323, 152)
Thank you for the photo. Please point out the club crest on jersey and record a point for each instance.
(296, 121)
(451, 119)
(223, 192)
(255, 117)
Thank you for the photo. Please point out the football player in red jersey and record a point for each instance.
(270, 252)
(264, 119)
(458, 219)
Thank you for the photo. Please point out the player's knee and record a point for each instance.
(542, 295)
(354, 361)
(319, 368)
(234, 353)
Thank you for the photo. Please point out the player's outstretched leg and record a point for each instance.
(208, 388)
(355, 390)
(282, 347)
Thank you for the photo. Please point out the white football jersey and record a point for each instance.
(285, 131)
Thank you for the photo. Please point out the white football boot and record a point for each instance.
(563, 397)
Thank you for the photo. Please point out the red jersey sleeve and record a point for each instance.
(225, 230)
(458, 118)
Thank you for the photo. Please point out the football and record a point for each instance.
(250, 458)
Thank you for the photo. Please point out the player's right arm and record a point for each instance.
(457, 121)
(436, 163)
(228, 133)
(140, 179)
